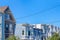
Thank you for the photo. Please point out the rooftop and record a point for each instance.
(3, 8)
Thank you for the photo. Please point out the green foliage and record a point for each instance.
(56, 36)
(12, 38)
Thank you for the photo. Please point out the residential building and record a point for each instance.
(28, 32)
(35, 31)
(24, 31)
(38, 34)
(7, 23)
(48, 30)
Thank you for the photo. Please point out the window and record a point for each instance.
(29, 33)
(6, 28)
(0, 25)
(10, 28)
(6, 25)
(6, 16)
(22, 32)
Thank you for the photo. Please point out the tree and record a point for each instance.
(56, 36)
(12, 38)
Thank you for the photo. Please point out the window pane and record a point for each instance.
(29, 33)
(22, 32)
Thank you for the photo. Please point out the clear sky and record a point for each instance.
(48, 11)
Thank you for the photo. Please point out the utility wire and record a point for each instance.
(58, 21)
(42, 12)
(38, 12)
(52, 22)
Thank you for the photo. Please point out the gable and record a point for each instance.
(4, 10)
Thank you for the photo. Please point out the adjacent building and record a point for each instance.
(35, 31)
(7, 23)
(28, 32)
(38, 34)
(24, 31)
(48, 30)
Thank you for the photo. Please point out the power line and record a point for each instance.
(42, 12)
(38, 12)
(58, 21)
(51, 22)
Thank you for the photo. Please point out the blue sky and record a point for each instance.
(48, 11)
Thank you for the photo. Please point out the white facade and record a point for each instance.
(24, 31)
(37, 26)
(36, 31)
(48, 30)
